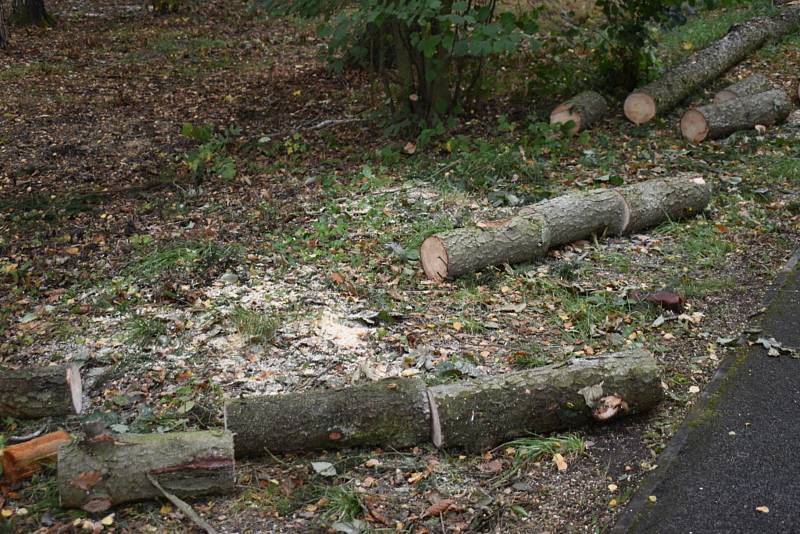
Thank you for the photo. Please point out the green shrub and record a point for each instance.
(212, 156)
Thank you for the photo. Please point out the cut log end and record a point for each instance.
(565, 113)
(694, 126)
(433, 256)
(724, 96)
(75, 387)
(640, 108)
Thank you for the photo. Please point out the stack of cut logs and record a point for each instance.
(748, 103)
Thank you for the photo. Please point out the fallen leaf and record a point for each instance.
(561, 464)
(5, 512)
(165, 509)
(107, 520)
(762, 509)
(86, 480)
(612, 488)
(324, 469)
(457, 326)
(694, 389)
(438, 508)
(652, 498)
(666, 299)
(97, 505)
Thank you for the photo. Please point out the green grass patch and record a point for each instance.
(255, 326)
(183, 257)
(344, 503)
(144, 331)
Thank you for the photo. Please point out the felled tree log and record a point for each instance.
(751, 85)
(24, 459)
(386, 413)
(33, 392)
(583, 110)
(715, 121)
(481, 413)
(97, 473)
(472, 414)
(561, 220)
(708, 64)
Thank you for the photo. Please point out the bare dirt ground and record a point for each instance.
(176, 290)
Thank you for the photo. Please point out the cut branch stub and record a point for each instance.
(582, 110)
(106, 470)
(708, 64)
(392, 412)
(720, 120)
(33, 392)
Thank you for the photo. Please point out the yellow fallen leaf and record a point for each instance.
(762, 509)
(652, 498)
(612, 503)
(687, 45)
(166, 509)
(457, 326)
(6, 512)
(612, 488)
(107, 520)
(560, 462)
(72, 251)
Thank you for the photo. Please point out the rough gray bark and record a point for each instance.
(33, 392)
(700, 68)
(562, 220)
(385, 413)
(793, 120)
(716, 121)
(95, 475)
(752, 85)
(4, 37)
(482, 413)
(583, 110)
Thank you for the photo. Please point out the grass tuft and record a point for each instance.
(254, 325)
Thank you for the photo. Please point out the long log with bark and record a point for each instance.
(665, 93)
(472, 415)
(33, 392)
(388, 412)
(582, 110)
(481, 413)
(97, 473)
(562, 220)
(720, 120)
(4, 37)
(752, 85)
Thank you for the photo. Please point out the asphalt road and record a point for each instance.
(740, 448)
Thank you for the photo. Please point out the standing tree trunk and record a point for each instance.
(4, 39)
(30, 13)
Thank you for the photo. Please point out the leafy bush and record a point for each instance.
(627, 48)
(431, 54)
(211, 157)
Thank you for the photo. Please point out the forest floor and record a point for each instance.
(288, 263)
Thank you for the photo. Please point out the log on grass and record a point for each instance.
(481, 413)
(33, 392)
(24, 459)
(706, 65)
(720, 120)
(583, 110)
(384, 413)
(98, 473)
(559, 221)
(751, 85)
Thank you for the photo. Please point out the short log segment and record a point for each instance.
(33, 392)
(708, 64)
(482, 413)
(752, 85)
(24, 459)
(101, 472)
(386, 413)
(562, 220)
(583, 110)
(716, 121)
